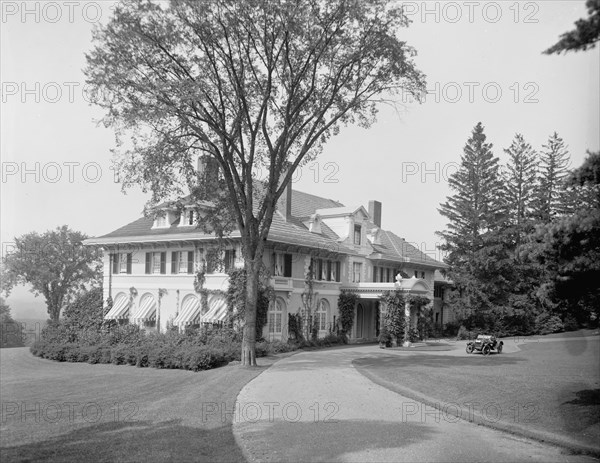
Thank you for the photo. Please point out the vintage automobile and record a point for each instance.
(485, 344)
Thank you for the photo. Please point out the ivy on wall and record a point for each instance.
(199, 281)
(236, 299)
(346, 302)
(394, 321)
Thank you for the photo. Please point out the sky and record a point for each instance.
(482, 60)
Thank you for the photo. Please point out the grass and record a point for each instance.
(66, 412)
(549, 388)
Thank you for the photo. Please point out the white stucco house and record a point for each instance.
(150, 266)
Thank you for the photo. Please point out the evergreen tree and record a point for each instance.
(476, 215)
(552, 198)
(520, 177)
(519, 183)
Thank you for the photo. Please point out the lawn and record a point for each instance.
(78, 412)
(549, 389)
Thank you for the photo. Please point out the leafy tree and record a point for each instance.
(252, 85)
(11, 332)
(475, 214)
(584, 36)
(585, 180)
(552, 196)
(569, 250)
(55, 264)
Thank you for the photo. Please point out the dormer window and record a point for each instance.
(161, 220)
(357, 234)
(188, 218)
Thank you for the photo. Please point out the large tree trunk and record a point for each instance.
(249, 338)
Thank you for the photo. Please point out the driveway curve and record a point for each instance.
(315, 406)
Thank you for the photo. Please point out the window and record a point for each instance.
(375, 275)
(182, 262)
(335, 271)
(416, 274)
(356, 272)
(321, 315)
(324, 272)
(161, 220)
(357, 234)
(190, 218)
(275, 316)
(229, 259)
(438, 291)
(121, 262)
(123, 258)
(387, 275)
(156, 262)
(423, 275)
(282, 265)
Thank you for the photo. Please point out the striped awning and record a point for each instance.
(217, 309)
(189, 313)
(146, 310)
(120, 308)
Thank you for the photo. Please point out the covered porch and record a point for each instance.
(369, 310)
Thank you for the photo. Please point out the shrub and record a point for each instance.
(414, 335)
(123, 354)
(198, 358)
(465, 334)
(547, 324)
(451, 329)
(295, 327)
(384, 336)
(570, 323)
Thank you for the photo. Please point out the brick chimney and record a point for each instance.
(208, 171)
(375, 212)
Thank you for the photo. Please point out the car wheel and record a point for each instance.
(469, 348)
(499, 349)
(486, 350)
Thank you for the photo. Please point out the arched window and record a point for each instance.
(275, 316)
(321, 314)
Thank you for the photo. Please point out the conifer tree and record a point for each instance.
(552, 198)
(519, 183)
(520, 176)
(475, 214)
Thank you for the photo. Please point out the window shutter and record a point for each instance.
(287, 265)
(148, 262)
(190, 269)
(174, 268)
(337, 271)
(115, 263)
(329, 264)
(129, 262)
(273, 263)
(163, 262)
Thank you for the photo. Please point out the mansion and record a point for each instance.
(150, 267)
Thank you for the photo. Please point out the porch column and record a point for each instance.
(408, 320)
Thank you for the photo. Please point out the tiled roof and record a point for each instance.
(292, 232)
(305, 205)
(397, 249)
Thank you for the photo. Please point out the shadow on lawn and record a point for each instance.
(132, 441)
(437, 361)
(586, 397)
